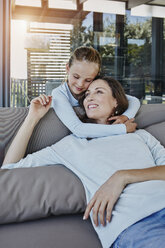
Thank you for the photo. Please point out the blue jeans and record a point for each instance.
(146, 233)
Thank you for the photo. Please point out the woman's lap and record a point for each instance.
(147, 233)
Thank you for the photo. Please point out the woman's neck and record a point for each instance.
(102, 121)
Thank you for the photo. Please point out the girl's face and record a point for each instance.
(80, 75)
(99, 103)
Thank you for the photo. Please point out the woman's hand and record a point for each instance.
(39, 106)
(105, 198)
(118, 119)
(107, 195)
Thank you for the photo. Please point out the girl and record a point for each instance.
(83, 66)
(124, 179)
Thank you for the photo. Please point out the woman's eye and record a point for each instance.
(76, 77)
(99, 92)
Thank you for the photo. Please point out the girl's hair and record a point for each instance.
(88, 54)
(117, 92)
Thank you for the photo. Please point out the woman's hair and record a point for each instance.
(117, 92)
(88, 54)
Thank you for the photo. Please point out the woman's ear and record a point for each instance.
(115, 111)
(116, 104)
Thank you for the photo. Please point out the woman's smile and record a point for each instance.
(92, 106)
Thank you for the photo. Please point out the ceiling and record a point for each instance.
(67, 16)
(134, 3)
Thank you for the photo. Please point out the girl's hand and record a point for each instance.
(39, 106)
(105, 198)
(130, 125)
(118, 119)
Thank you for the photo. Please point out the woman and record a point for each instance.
(123, 175)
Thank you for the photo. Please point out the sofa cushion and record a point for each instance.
(158, 131)
(150, 114)
(10, 121)
(48, 131)
(38, 192)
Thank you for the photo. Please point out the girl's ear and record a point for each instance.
(67, 68)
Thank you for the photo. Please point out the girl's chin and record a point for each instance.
(77, 92)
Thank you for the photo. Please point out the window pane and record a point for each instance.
(19, 96)
(39, 55)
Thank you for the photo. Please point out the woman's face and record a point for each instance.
(99, 103)
(80, 75)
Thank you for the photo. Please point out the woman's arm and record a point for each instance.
(44, 157)
(108, 194)
(66, 114)
(38, 108)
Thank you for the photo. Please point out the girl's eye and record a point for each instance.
(76, 77)
(89, 81)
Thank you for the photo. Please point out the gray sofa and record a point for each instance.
(43, 207)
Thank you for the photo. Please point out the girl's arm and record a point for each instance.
(38, 108)
(67, 115)
(108, 194)
(133, 107)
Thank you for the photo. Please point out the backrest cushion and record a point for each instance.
(158, 131)
(48, 131)
(150, 114)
